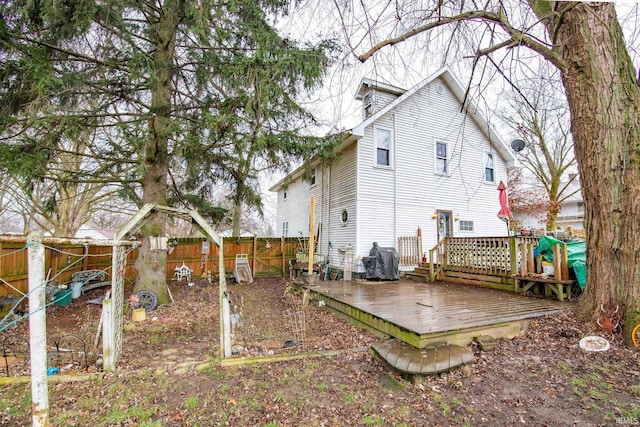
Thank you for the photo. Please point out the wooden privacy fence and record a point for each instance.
(266, 256)
(61, 262)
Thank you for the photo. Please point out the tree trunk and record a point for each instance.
(237, 219)
(152, 265)
(604, 97)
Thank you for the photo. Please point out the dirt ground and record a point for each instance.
(169, 374)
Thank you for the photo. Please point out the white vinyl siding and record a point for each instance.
(295, 208)
(343, 197)
(375, 194)
(420, 190)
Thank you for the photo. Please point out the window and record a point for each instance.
(284, 195)
(285, 228)
(489, 172)
(442, 159)
(466, 225)
(367, 105)
(580, 208)
(312, 176)
(383, 146)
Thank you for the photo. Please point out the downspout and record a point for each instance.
(322, 201)
(356, 244)
(395, 184)
(329, 210)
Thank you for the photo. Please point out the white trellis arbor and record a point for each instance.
(113, 320)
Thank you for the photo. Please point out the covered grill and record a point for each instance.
(382, 263)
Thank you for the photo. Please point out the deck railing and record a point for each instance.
(496, 256)
(410, 249)
(437, 260)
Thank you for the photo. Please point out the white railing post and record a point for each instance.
(38, 331)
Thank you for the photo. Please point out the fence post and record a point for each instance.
(565, 262)
(225, 308)
(255, 254)
(431, 261)
(419, 245)
(38, 331)
(513, 254)
(283, 257)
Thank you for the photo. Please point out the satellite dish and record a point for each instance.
(518, 145)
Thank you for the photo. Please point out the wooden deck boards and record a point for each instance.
(417, 313)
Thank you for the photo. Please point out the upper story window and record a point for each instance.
(312, 177)
(489, 167)
(367, 105)
(580, 208)
(442, 158)
(382, 139)
(284, 195)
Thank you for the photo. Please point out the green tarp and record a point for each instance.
(576, 254)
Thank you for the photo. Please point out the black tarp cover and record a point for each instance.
(382, 263)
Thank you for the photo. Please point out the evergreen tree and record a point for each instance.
(163, 82)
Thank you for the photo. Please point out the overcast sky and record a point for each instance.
(334, 104)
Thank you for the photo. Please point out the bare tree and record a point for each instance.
(60, 200)
(538, 113)
(585, 42)
(525, 199)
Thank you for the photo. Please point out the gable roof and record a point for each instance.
(456, 88)
(365, 84)
(459, 91)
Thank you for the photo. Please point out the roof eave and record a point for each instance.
(299, 171)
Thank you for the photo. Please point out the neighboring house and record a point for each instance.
(571, 213)
(416, 161)
(91, 230)
(570, 216)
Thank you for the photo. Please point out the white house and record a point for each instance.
(417, 160)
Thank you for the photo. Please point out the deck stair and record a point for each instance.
(419, 274)
(422, 273)
(410, 361)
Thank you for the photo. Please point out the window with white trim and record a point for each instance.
(466, 225)
(285, 228)
(383, 146)
(442, 158)
(489, 167)
(367, 105)
(580, 208)
(284, 195)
